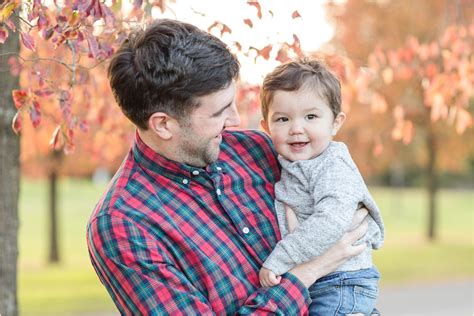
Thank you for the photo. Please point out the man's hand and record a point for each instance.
(291, 218)
(344, 249)
(268, 278)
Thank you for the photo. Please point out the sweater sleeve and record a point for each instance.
(337, 191)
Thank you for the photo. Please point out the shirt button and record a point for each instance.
(219, 168)
(195, 172)
(218, 191)
(185, 181)
(245, 230)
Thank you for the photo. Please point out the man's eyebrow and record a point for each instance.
(219, 112)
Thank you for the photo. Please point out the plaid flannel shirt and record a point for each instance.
(168, 238)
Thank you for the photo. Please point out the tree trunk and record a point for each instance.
(53, 210)
(431, 183)
(9, 182)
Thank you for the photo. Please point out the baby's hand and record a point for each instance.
(268, 278)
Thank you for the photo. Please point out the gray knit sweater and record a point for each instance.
(324, 192)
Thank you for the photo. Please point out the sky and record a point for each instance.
(312, 28)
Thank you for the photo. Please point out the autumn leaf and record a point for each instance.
(256, 5)
(296, 14)
(3, 34)
(7, 10)
(11, 25)
(248, 22)
(265, 52)
(43, 92)
(225, 29)
(28, 41)
(56, 139)
(282, 55)
(35, 113)
(20, 98)
(42, 22)
(93, 45)
(17, 123)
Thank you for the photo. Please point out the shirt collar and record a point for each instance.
(156, 164)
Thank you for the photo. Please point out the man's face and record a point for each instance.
(200, 135)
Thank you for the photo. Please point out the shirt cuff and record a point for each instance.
(291, 295)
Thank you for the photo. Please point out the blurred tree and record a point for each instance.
(9, 181)
(415, 83)
(64, 90)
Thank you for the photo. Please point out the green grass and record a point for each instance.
(73, 288)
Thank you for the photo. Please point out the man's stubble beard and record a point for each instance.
(196, 152)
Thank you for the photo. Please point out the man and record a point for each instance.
(188, 219)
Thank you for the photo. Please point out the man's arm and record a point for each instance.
(142, 280)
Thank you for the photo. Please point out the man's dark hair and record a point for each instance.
(165, 67)
(293, 75)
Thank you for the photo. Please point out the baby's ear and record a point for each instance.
(338, 122)
(264, 125)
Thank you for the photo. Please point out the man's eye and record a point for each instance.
(281, 119)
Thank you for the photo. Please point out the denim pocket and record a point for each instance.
(364, 298)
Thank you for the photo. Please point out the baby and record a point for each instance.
(321, 185)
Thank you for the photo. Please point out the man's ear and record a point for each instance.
(162, 125)
(264, 125)
(338, 121)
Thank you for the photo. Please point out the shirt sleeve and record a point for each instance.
(140, 278)
(337, 194)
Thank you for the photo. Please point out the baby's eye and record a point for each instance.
(281, 119)
(311, 116)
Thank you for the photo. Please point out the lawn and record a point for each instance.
(71, 287)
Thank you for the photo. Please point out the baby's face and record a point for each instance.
(300, 123)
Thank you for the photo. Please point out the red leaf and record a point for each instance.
(84, 126)
(47, 33)
(56, 139)
(295, 15)
(42, 22)
(225, 28)
(257, 5)
(28, 41)
(265, 52)
(20, 97)
(3, 34)
(11, 25)
(35, 114)
(16, 123)
(248, 22)
(296, 45)
(43, 92)
(282, 55)
(93, 45)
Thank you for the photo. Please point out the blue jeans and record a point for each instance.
(345, 292)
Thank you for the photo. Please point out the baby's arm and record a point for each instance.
(291, 219)
(336, 198)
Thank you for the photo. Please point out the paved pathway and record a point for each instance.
(436, 299)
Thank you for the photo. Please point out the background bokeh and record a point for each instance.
(407, 71)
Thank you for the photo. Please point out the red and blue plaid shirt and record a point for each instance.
(168, 238)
